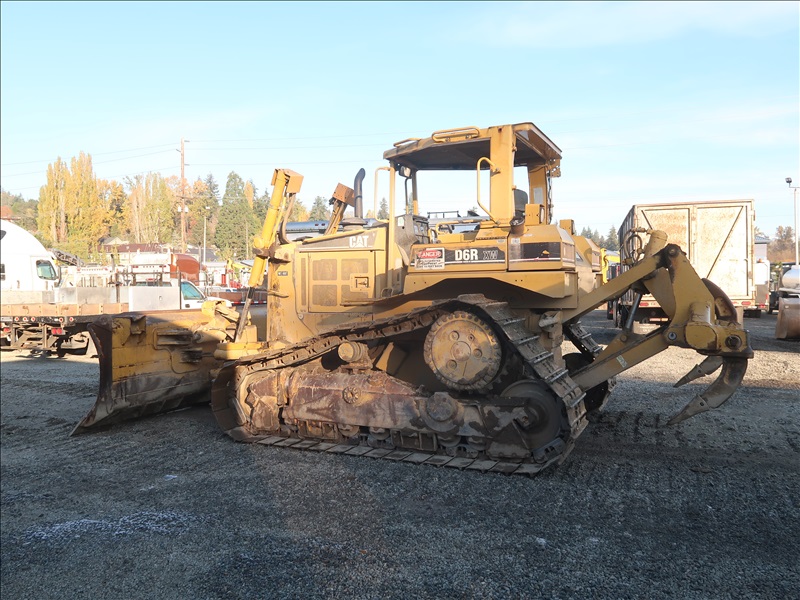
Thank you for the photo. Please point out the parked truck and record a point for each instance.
(48, 309)
(56, 321)
(717, 237)
(25, 264)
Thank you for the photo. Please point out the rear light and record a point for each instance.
(57, 331)
(6, 329)
(645, 304)
(746, 303)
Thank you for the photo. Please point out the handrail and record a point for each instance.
(406, 141)
(459, 133)
(375, 198)
(494, 169)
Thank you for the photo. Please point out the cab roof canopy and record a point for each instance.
(460, 149)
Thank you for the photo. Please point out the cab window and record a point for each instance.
(45, 270)
(190, 292)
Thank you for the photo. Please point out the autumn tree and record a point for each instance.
(87, 210)
(113, 196)
(52, 219)
(299, 211)
(74, 213)
(781, 248)
(249, 192)
(203, 205)
(149, 214)
(24, 212)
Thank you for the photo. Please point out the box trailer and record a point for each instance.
(718, 239)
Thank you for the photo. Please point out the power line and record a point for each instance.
(100, 162)
(32, 162)
(310, 137)
(315, 147)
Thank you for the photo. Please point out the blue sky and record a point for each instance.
(649, 102)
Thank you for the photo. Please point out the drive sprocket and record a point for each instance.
(463, 351)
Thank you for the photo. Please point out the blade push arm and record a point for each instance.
(285, 183)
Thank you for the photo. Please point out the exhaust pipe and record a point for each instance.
(358, 201)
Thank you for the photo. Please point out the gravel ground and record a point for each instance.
(169, 507)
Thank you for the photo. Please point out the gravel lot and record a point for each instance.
(169, 507)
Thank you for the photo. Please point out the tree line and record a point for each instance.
(609, 242)
(76, 210)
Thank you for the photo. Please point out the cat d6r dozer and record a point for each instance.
(439, 345)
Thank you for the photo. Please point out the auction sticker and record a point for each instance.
(429, 259)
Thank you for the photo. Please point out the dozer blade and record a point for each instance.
(149, 363)
(788, 324)
(733, 370)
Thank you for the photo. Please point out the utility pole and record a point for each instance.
(796, 223)
(203, 259)
(183, 203)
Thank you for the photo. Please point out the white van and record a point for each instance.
(25, 265)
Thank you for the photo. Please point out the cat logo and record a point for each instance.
(359, 241)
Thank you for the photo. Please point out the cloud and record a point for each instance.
(592, 24)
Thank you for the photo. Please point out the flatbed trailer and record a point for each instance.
(57, 321)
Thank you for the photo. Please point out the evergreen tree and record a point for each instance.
(383, 211)
(235, 230)
(612, 241)
(237, 223)
(319, 210)
(234, 189)
(211, 199)
(260, 206)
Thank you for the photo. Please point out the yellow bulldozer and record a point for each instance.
(404, 340)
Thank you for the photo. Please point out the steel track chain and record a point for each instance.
(587, 346)
(538, 363)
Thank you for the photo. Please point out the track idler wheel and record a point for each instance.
(463, 351)
(542, 423)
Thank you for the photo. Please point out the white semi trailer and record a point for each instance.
(717, 237)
